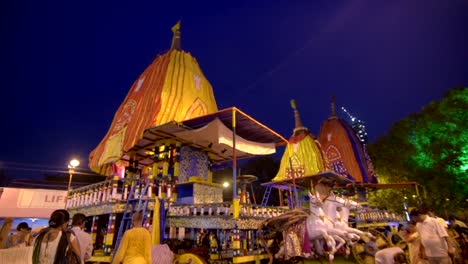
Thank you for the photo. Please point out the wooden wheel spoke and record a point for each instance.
(365, 238)
(358, 249)
(381, 242)
(369, 260)
(190, 258)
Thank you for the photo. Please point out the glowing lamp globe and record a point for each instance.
(74, 163)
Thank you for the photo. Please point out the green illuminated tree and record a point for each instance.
(430, 147)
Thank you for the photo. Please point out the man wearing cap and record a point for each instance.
(84, 239)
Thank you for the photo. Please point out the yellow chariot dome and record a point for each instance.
(302, 156)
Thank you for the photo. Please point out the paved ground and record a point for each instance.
(338, 260)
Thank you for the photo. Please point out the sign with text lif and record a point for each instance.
(38, 203)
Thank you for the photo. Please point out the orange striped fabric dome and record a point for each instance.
(172, 87)
(344, 151)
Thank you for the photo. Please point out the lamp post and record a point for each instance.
(71, 169)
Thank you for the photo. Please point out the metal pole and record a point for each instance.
(234, 155)
(67, 197)
(70, 171)
(253, 193)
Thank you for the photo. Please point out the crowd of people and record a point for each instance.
(22, 236)
(430, 240)
(55, 244)
(427, 237)
(60, 243)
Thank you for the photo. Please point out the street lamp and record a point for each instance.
(71, 169)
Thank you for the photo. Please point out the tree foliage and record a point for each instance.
(431, 148)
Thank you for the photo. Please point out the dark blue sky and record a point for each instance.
(67, 65)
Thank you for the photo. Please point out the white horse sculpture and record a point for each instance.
(318, 228)
(342, 236)
(338, 209)
(342, 224)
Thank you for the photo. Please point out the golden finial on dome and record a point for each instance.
(297, 118)
(332, 106)
(176, 37)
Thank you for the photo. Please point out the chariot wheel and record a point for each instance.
(189, 258)
(364, 250)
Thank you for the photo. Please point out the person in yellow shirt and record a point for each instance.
(135, 247)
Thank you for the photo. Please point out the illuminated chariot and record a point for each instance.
(165, 143)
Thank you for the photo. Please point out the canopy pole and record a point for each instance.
(253, 194)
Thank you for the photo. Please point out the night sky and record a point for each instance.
(66, 66)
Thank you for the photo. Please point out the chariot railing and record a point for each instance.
(112, 190)
(216, 209)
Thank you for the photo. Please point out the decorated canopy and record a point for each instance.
(172, 88)
(302, 156)
(212, 133)
(344, 151)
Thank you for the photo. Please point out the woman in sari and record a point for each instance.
(51, 245)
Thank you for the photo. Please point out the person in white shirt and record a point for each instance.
(434, 237)
(414, 244)
(84, 239)
(391, 255)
